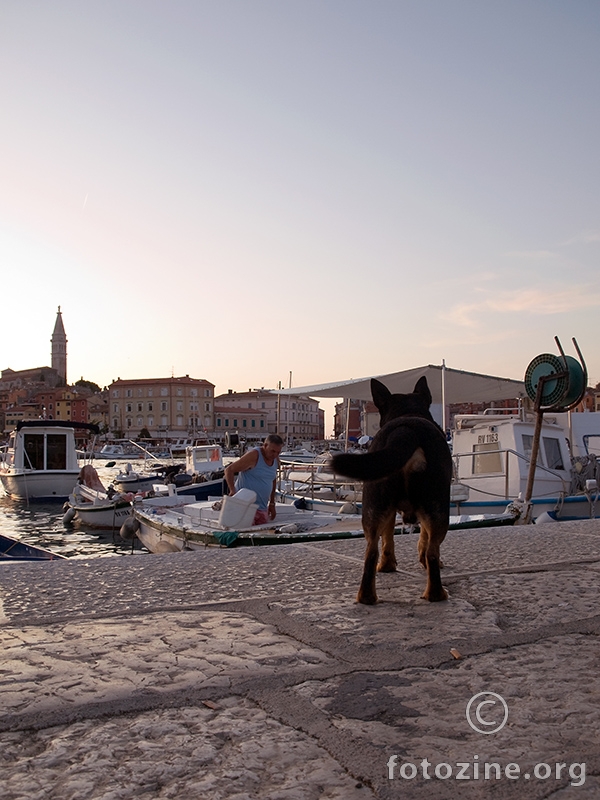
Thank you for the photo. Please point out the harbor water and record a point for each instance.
(42, 524)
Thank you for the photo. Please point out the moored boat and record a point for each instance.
(40, 462)
(16, 550)
(202, 476)
(492, 455)
(95, 507)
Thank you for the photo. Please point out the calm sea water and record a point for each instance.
(42, 524)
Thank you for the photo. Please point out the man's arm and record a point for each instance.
(247, 461)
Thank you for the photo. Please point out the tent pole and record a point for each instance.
(347, 423)
(444, 424)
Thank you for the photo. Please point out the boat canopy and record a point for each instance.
(57, 423)
(450, 385)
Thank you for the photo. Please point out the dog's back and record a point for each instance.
(408, 469)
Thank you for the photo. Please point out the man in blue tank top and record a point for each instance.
(257, 470)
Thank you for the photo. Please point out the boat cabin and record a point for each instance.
(44, 448)
(492, 454)
(201, 459)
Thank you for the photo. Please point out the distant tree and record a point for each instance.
(145, 434)
(93, 387)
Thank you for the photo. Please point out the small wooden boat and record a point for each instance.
(171, 524)
(15, 550)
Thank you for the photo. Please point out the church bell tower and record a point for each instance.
(59, 348)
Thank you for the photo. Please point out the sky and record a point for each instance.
(253, 191)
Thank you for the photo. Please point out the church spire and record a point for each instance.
(59, 347)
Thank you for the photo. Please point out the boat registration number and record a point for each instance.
(486, 438)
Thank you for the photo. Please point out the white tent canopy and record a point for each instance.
(446, 385)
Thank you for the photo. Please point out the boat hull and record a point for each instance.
(15, 550)
(573, 507)
(42, 486)
(112, 516)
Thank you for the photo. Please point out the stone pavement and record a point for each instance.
(252, 673)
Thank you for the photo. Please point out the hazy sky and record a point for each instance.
(240, 189)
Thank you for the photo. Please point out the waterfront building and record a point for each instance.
(251, 423)
(294, 417)
(165, 407)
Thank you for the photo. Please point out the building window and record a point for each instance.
(150, 421)
(150, 392)
(243, 423)
(179, 391)
(140, 392)
(262, 423)
(226, 423)
(219, 422)
(129, 422)
(116, 408)
(140, 406)
(235, 423)
(253, 423)
(163, 421)
(179, 421)
(207, 406)
(128, 393)
(115, 393)
(163, 406)
(179, 406)
(115, 423)
(140, 421)
(164, 391)
(128, 407)
(194, 392)
(150, 407)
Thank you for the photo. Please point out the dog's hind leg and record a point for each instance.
(374, 528)
(367, 593)
(433, 532)
(387, 562)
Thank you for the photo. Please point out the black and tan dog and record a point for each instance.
(408, 469)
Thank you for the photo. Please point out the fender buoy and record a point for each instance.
(129, 528)
(69, 515)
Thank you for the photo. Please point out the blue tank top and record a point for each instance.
(259, 479)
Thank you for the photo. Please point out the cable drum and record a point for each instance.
(562, 391)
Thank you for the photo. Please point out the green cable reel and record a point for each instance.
(562, 392)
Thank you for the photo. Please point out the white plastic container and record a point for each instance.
(238, 510)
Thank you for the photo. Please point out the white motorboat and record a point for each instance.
(492, 454)
(116, 452)
(40, 461)
(298, 455)
(316, 488)
(130, 480)
(95, 507)
(203, 475)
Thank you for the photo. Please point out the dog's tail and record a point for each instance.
(380, 463)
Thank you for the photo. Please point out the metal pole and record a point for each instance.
(444, 395)
(347, 423)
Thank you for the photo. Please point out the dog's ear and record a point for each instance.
(422, 388)
(381, 394)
